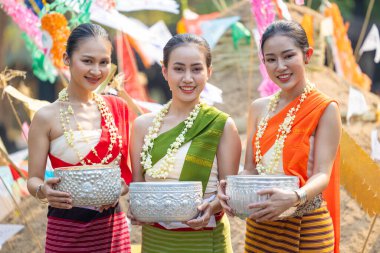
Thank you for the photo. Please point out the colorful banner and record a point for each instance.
(360, 175)
(212, 30)
(263, 12)
(139, 5)
(372, 42)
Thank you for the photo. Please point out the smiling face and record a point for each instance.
(285, 62)
(186, 72)
(90, 63)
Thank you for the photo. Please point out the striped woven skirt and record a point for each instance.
(313, 232)
(86, 230)
(157, 240)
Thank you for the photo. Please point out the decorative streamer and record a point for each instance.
(307, 24)
(360, 175)
(56, 25)
(106, 4)
(239, 31)
(34, 5)
(42, 67)
(264, 13)
(349, 67)
(24, 18)
(127, 62)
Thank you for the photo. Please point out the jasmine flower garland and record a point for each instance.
(169, 159)
(283, 130)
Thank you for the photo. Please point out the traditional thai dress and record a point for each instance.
(315, 231)
(195, 161)
(84, 229)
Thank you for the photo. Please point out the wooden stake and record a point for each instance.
(16, 115)
(369, 232)
(364, 29)
(22, 215)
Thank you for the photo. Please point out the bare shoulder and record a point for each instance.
(230, 125)
(259, 105)
(144, 121)
(46, 114)
(331, 112)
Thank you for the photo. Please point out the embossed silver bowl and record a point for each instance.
(242, 191)
(165, 201)
(92, 185)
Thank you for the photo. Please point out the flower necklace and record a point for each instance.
(168, 160)
(68, 132)
(283, 130)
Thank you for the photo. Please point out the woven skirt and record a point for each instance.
(157, 240)
(313, 232)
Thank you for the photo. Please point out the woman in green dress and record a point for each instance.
(187, 141)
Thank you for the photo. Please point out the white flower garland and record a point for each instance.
(283, 130)
(68, 132)
(169, 159)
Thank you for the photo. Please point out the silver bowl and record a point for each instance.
(242, 191)
(165, 201)
(90, 185)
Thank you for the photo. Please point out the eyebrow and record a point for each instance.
(283, 52)
(92, 57)
(182, 64)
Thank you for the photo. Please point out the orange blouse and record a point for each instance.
(297, 148)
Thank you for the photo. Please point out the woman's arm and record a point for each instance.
(139, 130)
(327, 138)
(255, 110)
(228, 156)
(38, 147)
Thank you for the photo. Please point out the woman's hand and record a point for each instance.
(201, 221)
(223, 198)
(124, 188)
(56, 198)
(278, 202)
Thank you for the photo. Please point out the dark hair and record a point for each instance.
(287, 28)
(84, 31)
(187, 38)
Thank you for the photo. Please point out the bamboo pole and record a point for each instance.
(22, 216)
(364, 29)
(369, 232)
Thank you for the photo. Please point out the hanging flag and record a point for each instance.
(212, 94)
(372, 42)
(239, 31)
(138, 5)
(127, 63)
(283, 10)
(375, 145)
(212, 30)
(356, 104)
(191, 21)
(264, 13)
(307, 24)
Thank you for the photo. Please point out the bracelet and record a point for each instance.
(302, 195)
(36, 196)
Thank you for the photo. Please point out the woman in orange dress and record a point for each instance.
(293, 132)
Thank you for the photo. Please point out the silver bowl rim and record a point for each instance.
(165, 183)
(262, 177)
(86, 167)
